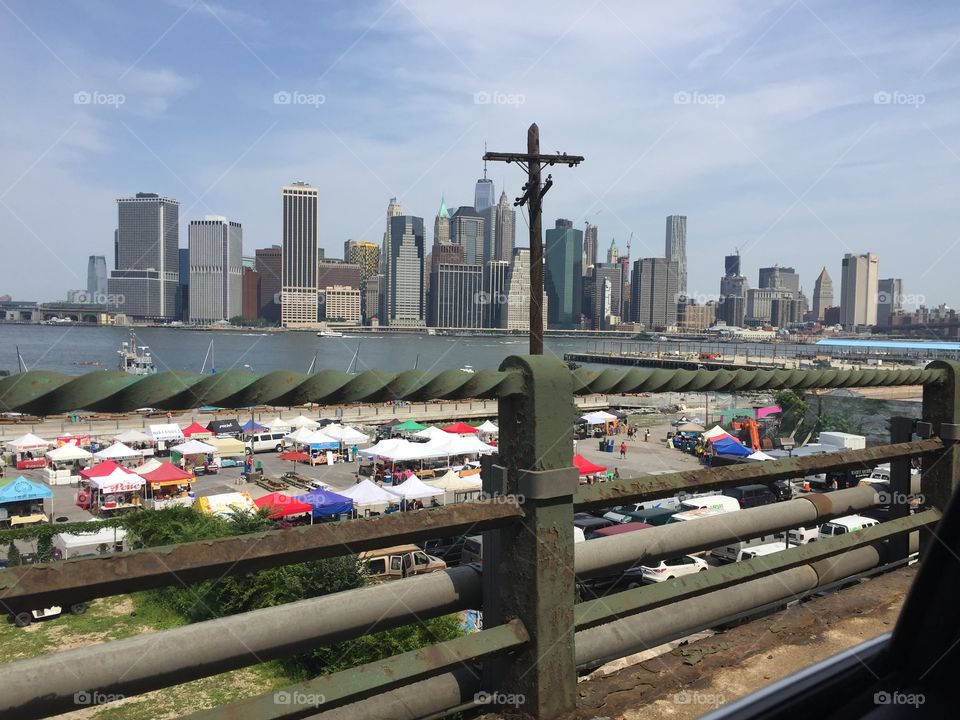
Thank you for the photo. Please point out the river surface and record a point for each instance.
(60, 348)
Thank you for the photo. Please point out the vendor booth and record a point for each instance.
(110, 488)
(413, 491)
(327, 505)
(227, 504)
(409, 426)
(459, 428)
(230, 451)
(250, 427)
(28, 451)
(225, 428)
(105, 541)
(118, 452)
(278, 425)
(165, 435)
(587, 469)
(198, 457)
(65, 463)
(167, 485)
(196, 431)
(367, 495)
(134, 438)
(431, 433)
(302, 421)
(22, 502)
(291, 511)
(458, 485)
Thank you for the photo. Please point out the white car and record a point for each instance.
(672, 568)
(23, 619)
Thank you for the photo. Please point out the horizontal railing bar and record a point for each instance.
(64, 583)
(338, 689)
(618, 492)
(629, 602)
(39, 392)
(47, 685)
(607, 554)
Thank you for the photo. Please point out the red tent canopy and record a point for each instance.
(585, 466)
(103, 469)
(460, 428)
(281, 505)
(295, 456)
(167, 473)
(195, 428)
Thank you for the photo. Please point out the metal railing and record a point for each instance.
(535, 634)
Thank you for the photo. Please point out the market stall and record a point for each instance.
(367, 495)
(198, 457)
(134, 438)
(110, 488)
(327, 505)
(250, 427)
(165, 435)
(27, 451)
(458, 485)
(117, 452)
(278, 425)
(227, 504)
(167, 485)
(408, 426)
(22, 502)
(303, 421)
(65, 463)
(587, 469)
(230, 451)
(431, 433)
(228, 428)
(413, 491)
(601, 423)
(196, 431)
(459, 428)
(101, 542)
(292, 511)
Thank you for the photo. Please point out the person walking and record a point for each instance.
(646, 435)
(623, 450)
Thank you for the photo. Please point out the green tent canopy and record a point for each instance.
(408, 426)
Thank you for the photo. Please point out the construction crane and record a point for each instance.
(629, 243)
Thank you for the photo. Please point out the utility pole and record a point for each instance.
(533, 193)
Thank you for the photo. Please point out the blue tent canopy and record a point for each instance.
(325, 502)
(251, 426)
(325, 446)
(729, 446)
(21, 490)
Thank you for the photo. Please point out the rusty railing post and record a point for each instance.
(901, 489)
(941, 408)
(528, 567)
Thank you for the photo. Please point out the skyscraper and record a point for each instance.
(96, 278)
(366, 255)
(858, 290)
(456, 292)
(216, 269)
(563, 277)
(516, 311)
(589, 247)
(494, 292)
(822, 294)
(269, 263)
(613, 252)
(144, 284)
(889, 300)
(484, 194)
(655, 290)
(731, 264)
(467, 229)
(499, 223)
(441, 224)
(403, 291)
(779, 278)
(299, 306)
(676, 248)
(603, 287)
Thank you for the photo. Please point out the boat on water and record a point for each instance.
(467, 369)
(330, 333)
(135, 359)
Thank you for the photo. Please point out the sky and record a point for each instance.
(792, 131)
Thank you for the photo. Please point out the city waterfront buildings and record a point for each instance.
(563, 274)
(822, 294)
(215, 247)
(300, 253)
(655, 290)
(859, 277)
(675, 248)
(403, 290)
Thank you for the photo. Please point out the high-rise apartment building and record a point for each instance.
(563, 276)
(675, 248)
(216, 269)
(889, 300)
(859, 276)
(96, 278)
(301, 235)
(589, 247)
(467, 229)
(516, 311)
(403, 290)
(822, 294)
(145, 283)
(655, 291)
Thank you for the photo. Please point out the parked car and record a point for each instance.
(265, 442)
(472, 550)
(731, 551)
(23, 619)
(723, 503)
(672, 568)
(588, 523)
(800, 536)
(782, 489)
(695, 515)
(617, 530)
(846, 524)
(398, 562)
(654, 516)
(450, 550)
(749, 496)
(760, 550)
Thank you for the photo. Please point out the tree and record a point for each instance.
(13, 555)
(45, 548)
(795, 409)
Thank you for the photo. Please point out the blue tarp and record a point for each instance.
(324, 446)
(251, 426)
(729, 446)
(325, 502)
(21, 490)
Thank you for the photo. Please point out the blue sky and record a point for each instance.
(796, 131)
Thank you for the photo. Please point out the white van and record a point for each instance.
(724, 503)
(695, 514)
(847, 524)
(731, 552)
(267, 441)
(760, 550)
(800, 536)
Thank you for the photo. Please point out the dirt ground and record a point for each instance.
(693, 678)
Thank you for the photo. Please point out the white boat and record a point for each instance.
(467, 369)
(330, 333)
(135, 359)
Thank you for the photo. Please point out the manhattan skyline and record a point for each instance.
(797, 133)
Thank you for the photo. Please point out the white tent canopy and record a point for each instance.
(413, 488)
(119, 480)
(301, 434)
(27, 442)
(715, 431)
(278, 425)
(148, 467)
(345, 434)
(432, 433)
(117, 451)
(318, 437)
(368, 493)
(303, 421)
(66, 453)
(599, 417)
(193, 447)
(74, 540)
(488, 427)
(760, 455)
(401, 450)
(166, 432)
(132, 436)
(452, 482)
